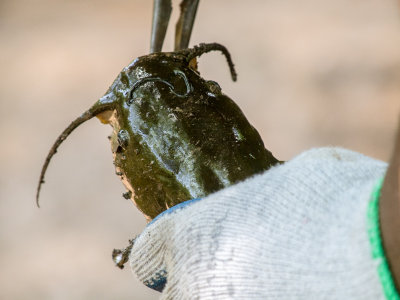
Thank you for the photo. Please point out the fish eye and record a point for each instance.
(213, 87)
(178, 85)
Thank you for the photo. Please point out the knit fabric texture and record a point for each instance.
(297, 231)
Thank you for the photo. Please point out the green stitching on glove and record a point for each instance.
(375, 239)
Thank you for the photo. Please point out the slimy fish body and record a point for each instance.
(175, 136)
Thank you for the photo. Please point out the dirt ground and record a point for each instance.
(311, 73)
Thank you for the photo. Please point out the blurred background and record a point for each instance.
(311, 73)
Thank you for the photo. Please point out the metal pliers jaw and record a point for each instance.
(161, 15)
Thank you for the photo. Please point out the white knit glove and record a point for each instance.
(297, 231)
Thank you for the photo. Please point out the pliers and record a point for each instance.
(161, 14)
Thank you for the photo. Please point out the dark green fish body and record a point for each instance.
(175, 135)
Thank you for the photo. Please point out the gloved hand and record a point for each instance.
(297, 231)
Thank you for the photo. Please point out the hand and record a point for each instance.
(297, 231)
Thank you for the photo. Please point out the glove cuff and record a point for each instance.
(378, 253)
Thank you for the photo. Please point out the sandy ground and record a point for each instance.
(311, 73)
